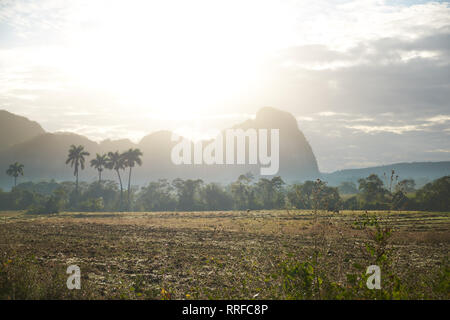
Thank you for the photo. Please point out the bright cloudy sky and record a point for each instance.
(368, 81)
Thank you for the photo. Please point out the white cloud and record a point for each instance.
(391, 129)
(440, 150)
(439, 119)
(343, 25)
(303, 118)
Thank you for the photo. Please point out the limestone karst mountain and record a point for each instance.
(43, 154)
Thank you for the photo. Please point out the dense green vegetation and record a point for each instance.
(372, 193)
(243, 194)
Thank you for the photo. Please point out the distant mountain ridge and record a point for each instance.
(421, 172)
(44, 154)
(9, 133)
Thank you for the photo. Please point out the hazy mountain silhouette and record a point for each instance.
(110, 145)
(298, 160)
(44, 154)
(15, 129)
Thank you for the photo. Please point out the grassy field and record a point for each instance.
(281, 254)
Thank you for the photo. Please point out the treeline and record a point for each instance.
(245, 193)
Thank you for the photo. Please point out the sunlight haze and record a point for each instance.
(349, 71)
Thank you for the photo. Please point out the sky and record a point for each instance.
(368, 81)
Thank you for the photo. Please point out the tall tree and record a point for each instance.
(188, 193)
(406, 185)
(99, 163)
(347, 187)
(157, 196)
(76, 160)
(435, 195)
(15, 170)
(314, 195)
(243, 192)
(115, 161)
(372, 188)
(131, 158)
(215, 197)
(271, 192)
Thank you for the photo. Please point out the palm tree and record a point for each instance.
(115, 162)
(15, 170)
(99, 163)
(76, 160)
(131, 158)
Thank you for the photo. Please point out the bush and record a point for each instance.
(23, 278)
(92, 205)
(53, 204)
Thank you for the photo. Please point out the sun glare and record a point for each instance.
(202, 57)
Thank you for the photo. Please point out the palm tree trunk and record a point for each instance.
(129, 184)
(76, 183)
(15, 181)
(76, 180)
(121, 190)
(99, 176)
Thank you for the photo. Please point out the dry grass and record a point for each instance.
(210, 254)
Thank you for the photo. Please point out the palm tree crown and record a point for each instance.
(115, 161)
(99, 163)
(76, 160)
(131, 158)
(15, 170)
